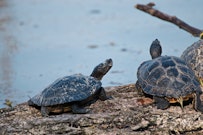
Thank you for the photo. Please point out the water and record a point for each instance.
(44, 40)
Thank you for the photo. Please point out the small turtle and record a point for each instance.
(193, 56)
(168, 79)
(72, 92)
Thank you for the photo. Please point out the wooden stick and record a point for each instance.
(173, 19)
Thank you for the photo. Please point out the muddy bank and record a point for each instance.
(127, 113)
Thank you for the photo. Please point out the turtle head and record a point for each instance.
(155, 49)
(101, 69)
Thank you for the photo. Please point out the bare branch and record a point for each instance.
(148, 8)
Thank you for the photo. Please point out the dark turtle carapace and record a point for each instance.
(72, 92)
(168, 79)
(193, 56)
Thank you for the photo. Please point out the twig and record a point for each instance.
(173, 19)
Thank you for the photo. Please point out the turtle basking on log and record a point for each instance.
(168, 79)
(72, 92)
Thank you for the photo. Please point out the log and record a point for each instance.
(148, 8)
(128, 113)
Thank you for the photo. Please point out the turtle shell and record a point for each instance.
(167, 76)
(193, 56)
(68, 89)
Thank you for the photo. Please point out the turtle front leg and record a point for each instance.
(79, 109)
(102, 95)
(44, 111)
(197, 104)
(161, 103)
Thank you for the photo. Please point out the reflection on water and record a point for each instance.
(7, 54)
(8, 48)
(41, 41)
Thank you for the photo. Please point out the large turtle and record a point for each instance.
(168, 79)
(193, 56)
(72, 92)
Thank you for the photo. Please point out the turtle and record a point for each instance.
(168, 79)
(73, 92)
(193, 56)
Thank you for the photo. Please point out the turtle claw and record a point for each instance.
(201, 82)
(180, 100)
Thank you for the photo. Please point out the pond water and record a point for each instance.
(42, 40)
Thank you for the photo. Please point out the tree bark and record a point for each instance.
(173, 19)
(127, 113)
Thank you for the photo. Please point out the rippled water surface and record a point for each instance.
(42, 40)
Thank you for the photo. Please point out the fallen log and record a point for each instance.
(148, 8)
(127, 113)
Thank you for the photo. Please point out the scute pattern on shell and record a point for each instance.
(67, 89)
(167, 76)
(193, 56)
